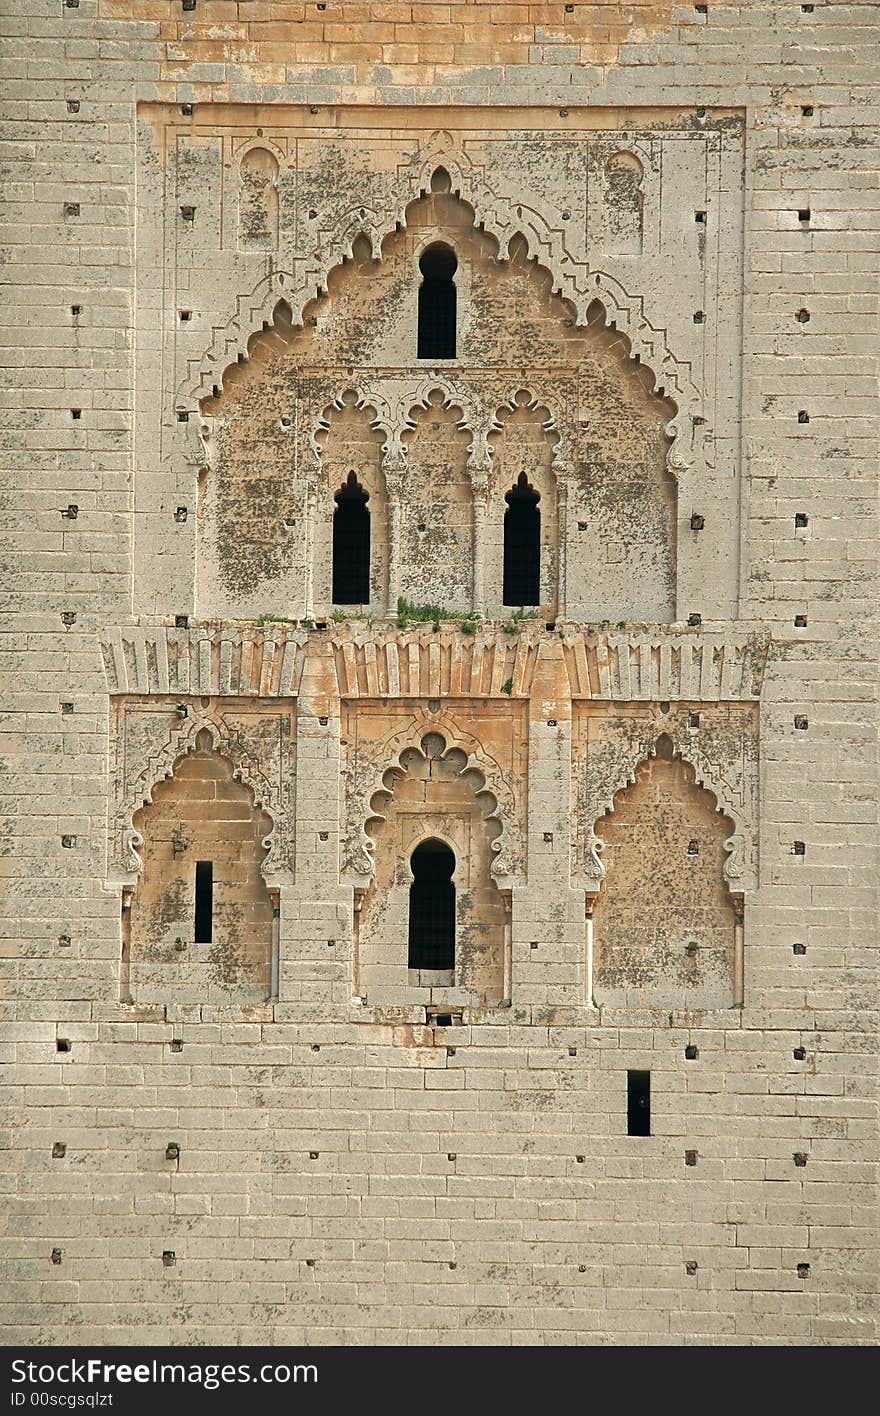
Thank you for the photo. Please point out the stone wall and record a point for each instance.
(679, 207)
(200, 814)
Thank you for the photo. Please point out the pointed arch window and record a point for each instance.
(351, 544)
(437, 302)
(432, 907)
(522, 545)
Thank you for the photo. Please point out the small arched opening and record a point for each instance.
(522, 545)
(432, 907)
(351, 545)
(437, 302)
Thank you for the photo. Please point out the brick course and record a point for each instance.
(313, 1130)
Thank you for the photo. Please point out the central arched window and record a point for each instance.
(522, 545)
(432, 907)
(437, 307)
(351, 545)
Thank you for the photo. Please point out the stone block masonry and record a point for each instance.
(659, 787)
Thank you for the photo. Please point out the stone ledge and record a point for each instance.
(670, 665)
(641, 664)
(252, 661)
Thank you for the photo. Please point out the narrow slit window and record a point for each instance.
(432, 907)
(351, 545)
(204, 921)
(638, 1103)
(522, 545)
(437, 303)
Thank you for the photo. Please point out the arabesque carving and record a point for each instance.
(370, 781)
(153, 735)
(723, 756)
(499, 216)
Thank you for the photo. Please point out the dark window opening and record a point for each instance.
(351, 545)
(638, 1103)
(522, 545)
(432, 907)
(437, 303)
(204, 901)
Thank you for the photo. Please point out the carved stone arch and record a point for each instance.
(500, 217)
(738, 867)
(383, 401)
(259, 168)
(488, 779)
(249, 144)
(161, 765)
(381, 421)
(474, 418)
(666, 924)
(523, 397)
(392, 402)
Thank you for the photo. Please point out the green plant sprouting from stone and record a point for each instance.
(408, 613)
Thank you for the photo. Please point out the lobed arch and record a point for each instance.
(453, 394)
(523, 398)
(737, 867)
(258, 166)
(498, 216)
(484, 773)
(394, 401)
(434, 833)
(161, 766)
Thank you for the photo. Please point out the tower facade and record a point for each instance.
(441, 758)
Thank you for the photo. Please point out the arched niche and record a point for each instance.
(437, 513)
(664, 924)
(258, 200)
(522, 467)
(432, 794)
(438, 303)
(350, 446)
(361, 331)
(432, 922)
(198, 927)
(252, 507)
(623, 204)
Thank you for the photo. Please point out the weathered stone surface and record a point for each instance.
(664, 222)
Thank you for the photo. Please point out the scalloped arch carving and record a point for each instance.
(483, 772)
(522, 397)
(393, 401)
(160, 764)
(500, 217)
(738, 866)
